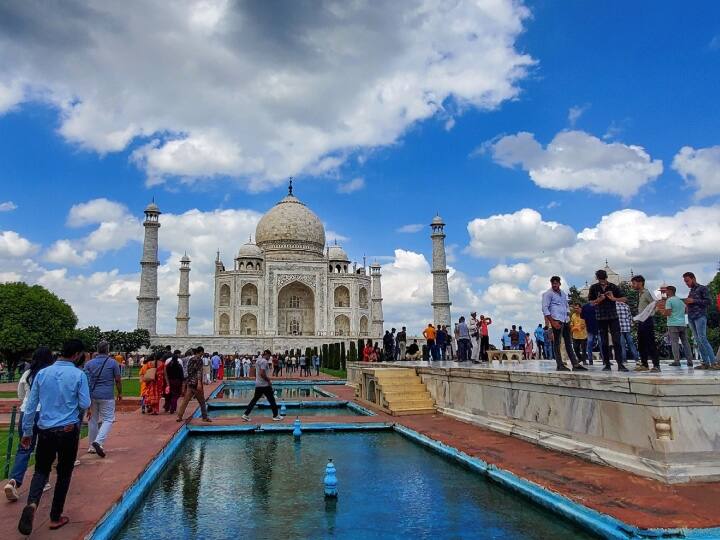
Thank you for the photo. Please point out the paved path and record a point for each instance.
(136, 439)
(97, 483)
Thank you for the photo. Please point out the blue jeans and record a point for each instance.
(548, 350)
(699, 330)
(627, 342)
(22, 457)
(592, 339)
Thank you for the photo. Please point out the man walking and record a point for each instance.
(555, 310)
(675, 313)
(604, 295)
(102, 373)
(441, 340)
(194, 385)
(540, 341)
(316, 363)
(263, 387)
(646, 328)
(62, 392)
(697, 303)
(463, 341)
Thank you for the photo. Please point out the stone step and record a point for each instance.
(413, 386)
(405, 404)
(399, 396)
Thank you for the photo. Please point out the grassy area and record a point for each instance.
(339, 373)
(4, 434)
(8, 394)
(131, 387)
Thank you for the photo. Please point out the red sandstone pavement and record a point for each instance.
(97, 483)
(136, 439)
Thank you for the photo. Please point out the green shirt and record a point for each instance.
(644, 300)
(677, 317)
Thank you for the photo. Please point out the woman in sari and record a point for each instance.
(367, 351)
(154, 384)
(528, 347)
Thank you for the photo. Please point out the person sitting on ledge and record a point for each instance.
(413, 351)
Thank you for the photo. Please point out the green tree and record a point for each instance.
(31, 317)
(89, 336)
(575, 297)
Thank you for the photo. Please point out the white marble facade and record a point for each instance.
(287, 284)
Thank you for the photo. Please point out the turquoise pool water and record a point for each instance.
(267, 486)
(292, 412)
(245, 392)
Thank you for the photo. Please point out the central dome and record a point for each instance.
(290, 229)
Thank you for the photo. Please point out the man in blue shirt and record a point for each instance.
(103, 373)
(540, 341)
(215, 363)
(62, 392)
(555, 309)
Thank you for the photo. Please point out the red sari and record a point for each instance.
(155, 389)
(221, 371)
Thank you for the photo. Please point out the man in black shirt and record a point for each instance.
(603, 296)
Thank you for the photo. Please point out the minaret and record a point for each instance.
(183, 312)
(441, 293)
(148, 297)
(376, 311)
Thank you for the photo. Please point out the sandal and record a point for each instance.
(64, 520)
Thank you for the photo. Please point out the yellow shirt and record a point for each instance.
(578, 327)
(429, 332)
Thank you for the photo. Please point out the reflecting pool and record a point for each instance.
(292, 412)
(294, 391)
(269, 486)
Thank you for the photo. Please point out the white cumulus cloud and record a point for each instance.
(63, 252)
(576, 160)
(700, 168)
(12, 245)
(7, 206)
(521, 234)
(254, 90)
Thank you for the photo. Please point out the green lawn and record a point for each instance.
(131, 387)
(4, 434)
(339, 373)
(8, 394)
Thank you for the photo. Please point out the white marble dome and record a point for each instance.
(336, 253)
(249, 251)
(290, 229)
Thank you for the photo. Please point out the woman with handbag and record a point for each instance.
(154, 379)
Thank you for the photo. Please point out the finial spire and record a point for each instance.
(290, 188)
(218, 256)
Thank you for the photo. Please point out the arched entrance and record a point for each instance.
(224, 324)
(296, 310)
(248, 324)
(342, 296)
(363, 326)
(342, 325)
(249, 295)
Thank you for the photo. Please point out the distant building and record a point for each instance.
(613, 277)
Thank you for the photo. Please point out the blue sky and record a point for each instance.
(642, 81)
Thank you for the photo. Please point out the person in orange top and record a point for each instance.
(429, 334)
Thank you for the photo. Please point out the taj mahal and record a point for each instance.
(286, 289)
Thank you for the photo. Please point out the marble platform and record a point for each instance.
(664, 426)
